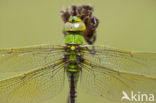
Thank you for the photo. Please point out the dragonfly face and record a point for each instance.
(74, 24)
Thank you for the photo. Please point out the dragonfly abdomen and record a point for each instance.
(72, 63)
(73, 79)
(73, 59)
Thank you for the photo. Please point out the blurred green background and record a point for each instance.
(125, 24)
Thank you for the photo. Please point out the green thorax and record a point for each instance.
(74, 39)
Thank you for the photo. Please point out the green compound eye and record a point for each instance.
(75, 19)
(74, 24)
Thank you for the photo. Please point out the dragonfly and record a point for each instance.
(40, 71)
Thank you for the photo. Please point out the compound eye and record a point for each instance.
(76, 25)
(74, 19)
(77, 19)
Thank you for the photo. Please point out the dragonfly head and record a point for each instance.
(74, 24)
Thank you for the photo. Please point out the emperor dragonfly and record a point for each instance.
(103, 71)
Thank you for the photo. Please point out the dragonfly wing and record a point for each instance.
(109, 72)
(28, 58)
(33, 86)
(111, 84)
(141, 63)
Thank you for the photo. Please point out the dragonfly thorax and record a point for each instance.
(74, 39)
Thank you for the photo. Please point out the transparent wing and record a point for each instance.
(109, 71)
(28, 58)
(141, 63)
(111, 84)
(33, 86)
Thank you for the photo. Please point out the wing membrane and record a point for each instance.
(110, 84)
(33, 86)
(108, 72)
(28, 58)
(141, 63)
